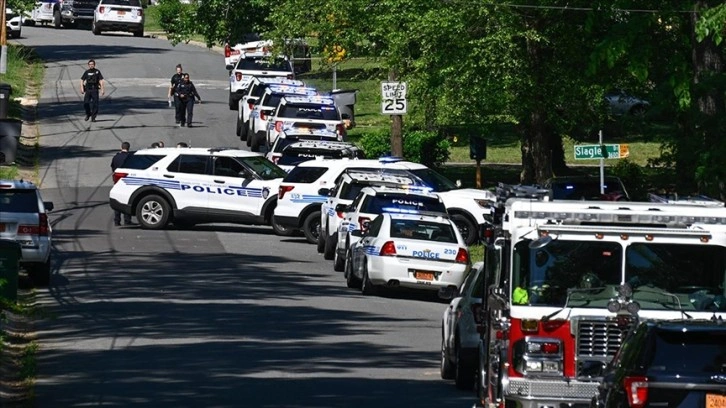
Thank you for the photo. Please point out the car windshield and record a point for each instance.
(591, 271)
(132, 3)
(263, 64)
(582, 189)
(398, 202)
(263, 167)
(436, 181)
(18, 201)
(294, 154)
(423, 230)
(309, 111)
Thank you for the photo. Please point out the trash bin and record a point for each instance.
(345, 101)
(5, 90)
(10, 130)
(10, 255)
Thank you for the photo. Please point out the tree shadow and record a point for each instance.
(60, 53)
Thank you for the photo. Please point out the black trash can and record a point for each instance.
(10, 255)
(10, 130)
(5, 90)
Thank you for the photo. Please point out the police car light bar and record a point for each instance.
(620, 218)
(397, 210)
(390, 159)
(310, 99)
(292, 89)
(406, 188)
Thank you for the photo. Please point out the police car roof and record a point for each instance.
(294, 132)
(372, 163)
(324, 144)
(218, 151)
(317, 100)
(399, 176)
(424, 216)
(17, 184)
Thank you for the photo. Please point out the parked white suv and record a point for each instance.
(288, 153)
(197, 185)
(264, 108)
(256, 89)
(119, 15)
(252, 65)
(312, 112)
(24, 219)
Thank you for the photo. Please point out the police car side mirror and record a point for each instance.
(324, 191)
(251, 101)
(357, 233)
(48, 205)
(341, 208)
(269, 112)
(229, 67)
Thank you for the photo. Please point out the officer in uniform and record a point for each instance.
(175, 80)
(91, 82)
(116, 162)
(186, 92)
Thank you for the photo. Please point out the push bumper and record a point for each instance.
(528, 393)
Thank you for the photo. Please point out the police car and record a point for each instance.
(118, 15)
(264, 107)
(289, 152)
(312, 112)
(256, 89)
(232, 53)
(411, 250)
(197, 185)
(375, 200)
(258, 64)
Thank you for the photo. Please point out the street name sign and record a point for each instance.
(589, 152)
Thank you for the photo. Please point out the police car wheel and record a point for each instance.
(321, 242)
(238, 130)
(232, 102)
(153, 212)
(351, 280)
(338, 261)
(281, 230)
(330, 243)
(465, 373)
(311, 227)
(57, 19)
(447, 368)
(367, 288)
(466, 228)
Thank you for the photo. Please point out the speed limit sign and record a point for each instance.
(393, 101)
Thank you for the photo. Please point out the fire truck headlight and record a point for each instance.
(633, 308)
(614, 306)
(533, 366)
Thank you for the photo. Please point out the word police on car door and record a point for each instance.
(393, 98)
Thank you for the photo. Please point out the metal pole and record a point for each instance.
(3, 38)
(602, 165)
(335, 76)
(478, 173)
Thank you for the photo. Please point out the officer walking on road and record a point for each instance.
(91, 82)
(175, 80)
(186, 92)
(116, 162)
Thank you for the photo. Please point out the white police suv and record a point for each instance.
(375, 200)
(264, 108)
(288, 153)
(410, 250)
(118, 15)
(255, 90)
(312, 112)
(188, 186)
(252, 65)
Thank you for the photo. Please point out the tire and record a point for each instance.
(321, 242)
(57, 22)
(232, 102)
(311, 227)
(39, 273)
(248, 136)
(367, 287)
(139, 33)
(281, 230)
(448, 369)
(338, 261)
(467, 228)
(351, 280)
(238, 130)
(94, 28)
(257, 141)
(464, 373)
(153, 212)
(330, 243)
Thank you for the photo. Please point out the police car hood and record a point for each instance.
(470, 193)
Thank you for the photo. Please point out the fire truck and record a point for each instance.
(566, 279)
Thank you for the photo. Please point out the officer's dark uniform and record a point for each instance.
(116, 162)
(175, 80)
(91, 84)
(186, 92)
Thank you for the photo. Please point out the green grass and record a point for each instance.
(151, 20)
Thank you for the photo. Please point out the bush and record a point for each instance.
(632, 176)
(419, 146)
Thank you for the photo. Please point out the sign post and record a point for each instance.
(601, 151)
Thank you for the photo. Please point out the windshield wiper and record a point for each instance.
(570, 292)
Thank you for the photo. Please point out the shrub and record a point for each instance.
(419, 146)
(632, 176)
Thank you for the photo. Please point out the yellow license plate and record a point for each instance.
(715, 401)
(421, 275)
(2, 227)
(121, 13)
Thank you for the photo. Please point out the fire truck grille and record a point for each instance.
(599, 338)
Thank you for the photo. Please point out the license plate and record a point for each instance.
(715, 401)
(121, 13)
(423, 275)
(2, 227)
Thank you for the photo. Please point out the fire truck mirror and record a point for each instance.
(542, 242)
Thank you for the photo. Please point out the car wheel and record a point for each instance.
(367, 287)
(281, 230)
(464, 372)
(448, 370)
(139, 33)
(248, 136)
(232, 102)
(311, 227)
(321, 242)
(338, 261)
(57, 19)
(238, 130)
(351, 280)
(330, 243)
(39, 273)
(466, 227)
(94, 28)
(153, 212)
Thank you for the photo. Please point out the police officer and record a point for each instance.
(186, 92)
(91, 82)
(175, 80)
(116, 162)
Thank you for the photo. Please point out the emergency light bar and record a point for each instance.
(292, 89)
(281, 80)
(310, 99)
(408, 189)
(292, 130)
(618, 217)
(390, 159)
(625, 232)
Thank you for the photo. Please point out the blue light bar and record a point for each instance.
(390, 159)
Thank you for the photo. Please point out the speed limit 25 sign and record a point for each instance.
(393, 101)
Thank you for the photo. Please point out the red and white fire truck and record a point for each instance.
(564, 280)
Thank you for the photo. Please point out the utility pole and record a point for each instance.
(3, 38)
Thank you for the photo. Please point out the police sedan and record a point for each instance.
(418, 251)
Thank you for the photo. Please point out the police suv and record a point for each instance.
(264, 107)
(119, 15)
(256, 89)
(197, 185)
(288, 153)
(375, 200)
(413, 250)
(250, 65)
(312, 112)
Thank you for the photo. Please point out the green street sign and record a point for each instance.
(611, 151)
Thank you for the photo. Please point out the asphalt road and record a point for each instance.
(221, 316)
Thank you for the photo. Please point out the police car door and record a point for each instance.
(192, 172)
(238, 191)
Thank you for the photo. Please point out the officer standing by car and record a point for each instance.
(116, 162)
(175, 80)
(186, 92)
(91, 82)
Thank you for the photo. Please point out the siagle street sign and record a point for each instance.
(612, 151)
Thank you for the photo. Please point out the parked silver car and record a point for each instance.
(24, 219)
(621, 103)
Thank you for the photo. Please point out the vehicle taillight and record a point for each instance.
(340, 130)
(140, 12)
(388, 249)
(275, 158)
(278, 126)
(118, 176)
(364, 223)
(340, 214)
(263, 116)
(282, 190)
(100, 9)
(227, 51)
(250, 105)
(238, 76)
(636, 388)
(43, 227)
(476, 312)
(462, 256)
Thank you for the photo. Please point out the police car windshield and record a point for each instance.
(132, 3)
(293, 155)
(309, 111)
(263, 64)
(263, 167)
(398, 202)
(434, 180)
(423, 230)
